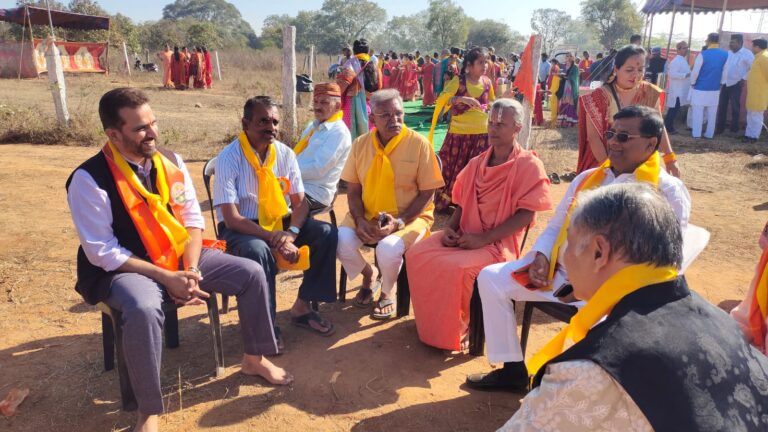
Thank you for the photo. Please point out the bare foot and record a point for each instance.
(261, 366)
(146, 423)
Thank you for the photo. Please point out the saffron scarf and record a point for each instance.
(363, 57)
(758, 306)
(272, 206)
(379, 182)
(619, 285)
(648, 172)
(304, 141)
(162, 235)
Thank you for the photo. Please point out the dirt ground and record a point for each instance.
(386, 379)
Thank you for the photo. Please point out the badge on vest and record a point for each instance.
(178, 193)
(285, 184)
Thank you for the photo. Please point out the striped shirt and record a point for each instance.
(236, 182)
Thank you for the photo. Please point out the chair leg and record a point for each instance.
(526, 327)
(126, 390)
(171, 327)
(332, 214)
(403, 293)
(108, 341)
(476, 324)
(218, 343)
(343, 285)
(224, 304)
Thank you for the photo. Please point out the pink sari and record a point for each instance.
(441, 278)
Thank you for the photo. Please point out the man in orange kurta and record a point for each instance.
(498, 194)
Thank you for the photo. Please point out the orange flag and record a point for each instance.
(525, 80)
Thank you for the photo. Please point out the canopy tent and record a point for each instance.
(26, 59)
(701, 6)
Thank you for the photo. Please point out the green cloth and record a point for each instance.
(419, 118)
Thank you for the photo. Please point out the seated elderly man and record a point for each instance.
(323, 148)
(392, 173)
(663, 358)
(136, 212)
(541, 275)
(498, 194)
(256, 178)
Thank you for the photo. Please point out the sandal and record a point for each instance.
(364, 297)
(554, 178)
(381, 304)
(568, 176)
(304, 320)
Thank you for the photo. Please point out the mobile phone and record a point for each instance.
(383, 219)
(563, 291)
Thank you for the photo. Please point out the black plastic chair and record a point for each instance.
(209, 170)
(559, 311)
(112, 341)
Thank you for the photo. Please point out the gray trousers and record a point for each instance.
(140, 298)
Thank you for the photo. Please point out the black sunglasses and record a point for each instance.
(621, 137)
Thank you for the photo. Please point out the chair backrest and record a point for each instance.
(209, 169)
(695, 239)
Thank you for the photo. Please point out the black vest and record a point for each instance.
(88, 275)
(683, 361)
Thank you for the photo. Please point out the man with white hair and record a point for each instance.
(663, 358)
(323, 147)
(392, 174)
(542, 276)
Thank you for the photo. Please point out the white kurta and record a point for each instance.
(701, 97)
(679, 83)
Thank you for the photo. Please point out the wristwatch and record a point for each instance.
(194, 269)
(294, 230)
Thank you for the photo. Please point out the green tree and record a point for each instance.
(488, 33)
(233, 30)
(122, 29)
(406, 33)
(156, 35)
(553, 26)
(342, 21)
(615, 20)
(203, 34)
(447, 22)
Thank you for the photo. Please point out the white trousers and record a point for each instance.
(754, 124)
(697, 120)
(389, 254)
(497, 291)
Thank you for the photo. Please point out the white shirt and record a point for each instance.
(670, 187)
(92, 214)
(679, 81)
(322, 160)
(544, 68)
(737, 66)
(709, 98)
(236, 181)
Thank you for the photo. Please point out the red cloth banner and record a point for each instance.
(76, 57)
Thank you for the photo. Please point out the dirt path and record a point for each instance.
(388, 379)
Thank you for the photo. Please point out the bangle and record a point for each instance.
(194, 269)
(670, 157)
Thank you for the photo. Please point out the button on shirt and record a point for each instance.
(322, 160)
(92, 214)
(236, 182)
(738, 65)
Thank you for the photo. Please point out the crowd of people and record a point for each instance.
(136, 213)
(179, 66)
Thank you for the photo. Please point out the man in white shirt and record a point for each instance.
(252, 228)
(709, 71)
(323, 147)
(135, 250)
(737, 68)
(544, 68)
(679, 83)
(633, 142)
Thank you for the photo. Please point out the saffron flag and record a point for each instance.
(526, 81)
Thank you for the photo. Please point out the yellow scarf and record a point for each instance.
(379, 182)
(363, 57)
(648, 172)
(713, 45)
(304, 141)
(158, 203)
(622, 283)
(272, 206)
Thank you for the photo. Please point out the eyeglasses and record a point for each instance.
(621, 137)
(390, 115)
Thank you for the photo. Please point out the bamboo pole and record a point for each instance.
(21, 53)
(218, 65)
(125, 56)
(289, 81)
(650, 31)
(311, 60)
(722, 17)
(645, 29)
(671, 29)
(56, 75)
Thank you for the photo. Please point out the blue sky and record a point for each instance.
(515, 13)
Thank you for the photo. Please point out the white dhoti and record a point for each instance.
(497, 291)
(389, 255)
(699, 101)
(754, 124)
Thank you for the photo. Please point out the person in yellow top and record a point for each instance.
(757, 90)
(392, 174)
(468, 96)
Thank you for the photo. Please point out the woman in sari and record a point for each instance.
(408, 79)
(623, 88)
(553, 84)
(386, 71)
(165, 58)
(467, 96)
(197, 68)
(497, 196)
(568, 94)
(178, 69)
(354, 102)
(394, 72)
(208, 69)
(428, 98)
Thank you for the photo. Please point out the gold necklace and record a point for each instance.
(621, 89)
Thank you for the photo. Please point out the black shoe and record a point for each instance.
(496, 380)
